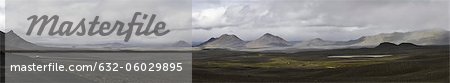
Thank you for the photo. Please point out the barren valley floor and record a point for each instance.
(417, 64)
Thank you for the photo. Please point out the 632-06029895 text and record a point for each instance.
(100, 66)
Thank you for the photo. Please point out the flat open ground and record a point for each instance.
(423, 64)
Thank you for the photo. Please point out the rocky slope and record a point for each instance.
(266, 41)
(225, 41)
(15, 42)
(424, 37)
(206, 42)
(181, 44)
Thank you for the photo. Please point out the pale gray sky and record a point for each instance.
(175, 13)
(249, 19)
(307, 19)
(2, 15)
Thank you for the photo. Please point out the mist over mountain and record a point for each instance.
(385, 45)
(389, 45)
(266, 41)
(15, 42)
(317, 42)
(424, 37)
(181, 44)
(269, 41)
(110, 45)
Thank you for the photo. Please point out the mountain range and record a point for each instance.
(423, 37)
(267, 41)
(15, 42)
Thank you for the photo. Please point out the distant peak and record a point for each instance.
(10, 32)
(181, 41)
(227, 35)
(407, 44)
(268, 34)
(387, 43)
(212, 38)
(319, 39)
(224, 35)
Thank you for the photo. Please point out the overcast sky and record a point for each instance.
(293, 20)
(306, 19)
(2, 15)
(175, 13)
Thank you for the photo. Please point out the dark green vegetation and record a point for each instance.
(406, 64)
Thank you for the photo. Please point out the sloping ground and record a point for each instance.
(225, 41)
(424, 64)
(267, 41)
(13, 42)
